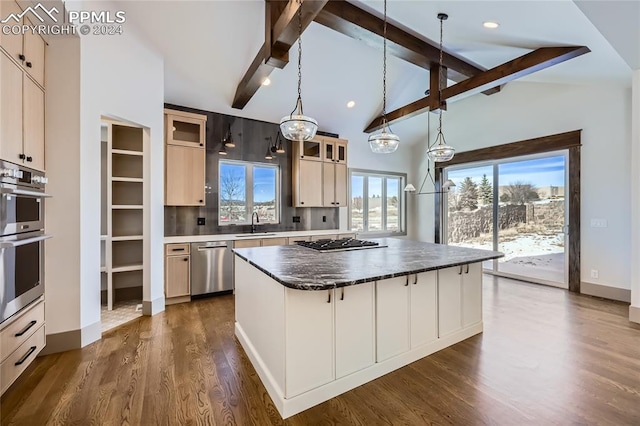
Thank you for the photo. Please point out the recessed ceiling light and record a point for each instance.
(490, 24)
(266, 81)
(351, 104)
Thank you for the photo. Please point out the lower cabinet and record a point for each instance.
(177, 282)
(424, 308)
(354, 328)
(392, 317)
(460, 297)
(309, 340)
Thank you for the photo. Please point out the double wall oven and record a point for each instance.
(22, 194)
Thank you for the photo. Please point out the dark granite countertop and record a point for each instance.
(307, 269)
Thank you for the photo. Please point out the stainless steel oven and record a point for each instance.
(22, 199)
(22, 266)
(22, 237)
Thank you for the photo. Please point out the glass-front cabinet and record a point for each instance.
(311, 149)
(185, 131)
(335, 150)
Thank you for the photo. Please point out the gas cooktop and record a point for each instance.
(343, 244)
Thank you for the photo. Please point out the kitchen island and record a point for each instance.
(317, 324)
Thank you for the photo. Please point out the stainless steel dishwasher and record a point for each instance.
(211, 268)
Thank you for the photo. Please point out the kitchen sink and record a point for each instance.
(256, 234)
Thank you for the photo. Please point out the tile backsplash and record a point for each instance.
(251, 144)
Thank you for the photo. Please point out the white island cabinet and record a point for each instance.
(317, 325)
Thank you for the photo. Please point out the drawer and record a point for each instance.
(182, 248)
(20, 359)
(20, 329)
(255, 242)
(292, 240)
(323, 237)
(274, 242)
(340, 236)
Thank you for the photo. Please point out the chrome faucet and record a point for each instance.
(253, 226)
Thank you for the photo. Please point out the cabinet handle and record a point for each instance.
(301, 202)
(178, 249)
(22, 156)
(28, 64)
(407, 282)
(186, 259)
(201, 201)
(467, 269)
(21, 57)
(337, 202)
(329, 296)
(31, 324)
(342, 295)
(416, 280)
(460, 273)
(201, 144)
(29, 159)
(24, 358)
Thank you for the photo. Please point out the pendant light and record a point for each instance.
(222, 150)
(297, 126)
(228, 140)
(268, 155)
(278, 145)
(384, 142)
(440, 151)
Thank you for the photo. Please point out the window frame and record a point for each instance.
(249, 188)
(402, 201)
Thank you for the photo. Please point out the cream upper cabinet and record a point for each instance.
(307, 190)
(335, 150)
(10, 110)
(11, 43)
(185, 160)
(310, 150)
(33, 46)
(33, 124)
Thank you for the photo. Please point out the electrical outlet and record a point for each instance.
(296, 219)
(201, 221)
(598, 223)
(595, 274)
(324, 218)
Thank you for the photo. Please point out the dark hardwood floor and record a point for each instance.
(546, 357)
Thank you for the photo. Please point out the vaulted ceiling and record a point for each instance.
(208, 46)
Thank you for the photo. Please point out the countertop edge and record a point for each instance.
(177, 239)
(318, 287)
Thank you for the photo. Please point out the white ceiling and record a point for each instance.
(208, 45)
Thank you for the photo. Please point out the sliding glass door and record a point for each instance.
(525, 199)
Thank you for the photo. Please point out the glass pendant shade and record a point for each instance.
(383, 142)
(298, 127)
(440, 151)
(222, 150)
(230, 144)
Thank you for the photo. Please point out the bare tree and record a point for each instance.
(356, 203)
(231, 188)
(454, 200)
(520, 193)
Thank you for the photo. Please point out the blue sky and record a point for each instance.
(540, 172)
(264, 180)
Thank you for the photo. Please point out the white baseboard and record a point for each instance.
(299, 403)
(606, 292)
(634, 314)
(153, 307)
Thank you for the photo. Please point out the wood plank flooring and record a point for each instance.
(547, 357)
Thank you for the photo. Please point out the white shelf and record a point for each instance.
(126, 179)
(125, 152)
(126, 207)
(127, 238)
(127, 268)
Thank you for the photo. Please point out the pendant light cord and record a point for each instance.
(299, 101)
(384, 69)
(440, 136)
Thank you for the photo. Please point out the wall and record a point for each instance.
(634, 310)
(119, 77)
(529, 110)
(249, 137)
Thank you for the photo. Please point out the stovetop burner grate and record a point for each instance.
(341, 244)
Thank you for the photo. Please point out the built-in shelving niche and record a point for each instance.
(123, 212)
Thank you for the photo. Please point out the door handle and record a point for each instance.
(467, 271)
(416, 280)
(24, 192)
(329, 296)
(18, 243)
(460, 273)
(407, 282)
(342, 295)
(27, 328)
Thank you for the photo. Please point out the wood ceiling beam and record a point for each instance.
(281, 31)
(348, 19)
(537, 60)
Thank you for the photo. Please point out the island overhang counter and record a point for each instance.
(316, 324)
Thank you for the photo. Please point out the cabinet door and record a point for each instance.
(10, 110)
(472, 294)
(185, 176)
(274, 242)
(33, 124)
(392, 317)
(34, 55)
(310, 184)
(253, 242)
(11, 43)
(341, 185)
(341, 152)
(449, 300)
(311, 150)
(328, 185)
(354, 328)
(309, 348)
(424, 308)
(177, 280)
(185, 131)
